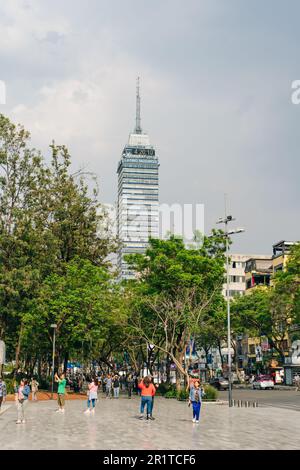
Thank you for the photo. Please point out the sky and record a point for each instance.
(216, 81)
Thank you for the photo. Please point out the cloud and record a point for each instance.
(215, 81)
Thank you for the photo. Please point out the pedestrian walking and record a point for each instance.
(152, 404)
(34, 389)
(297, 382)
(116, 386)
(103, 383)
(3, 391)
(108, 386)
(61, 391)
(147, 393)
(130, 384)
(195, 399)
(22, 392)
(136, 384)
(92, 396)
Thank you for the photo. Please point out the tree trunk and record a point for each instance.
(18, 348)
(180, 371)
(66, 360)
(220, 352)
(39, 367)
(178, 380)
(168, 369)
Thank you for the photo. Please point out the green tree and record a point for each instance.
(48, 217)
(176, 290)
(272, 311)
(83, 302)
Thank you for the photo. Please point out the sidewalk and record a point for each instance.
(4, 408)
(116, 425)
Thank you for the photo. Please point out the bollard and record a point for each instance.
(253, 404)
(239, 403)
(233, 402)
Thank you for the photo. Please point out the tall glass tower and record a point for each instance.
(137, 206)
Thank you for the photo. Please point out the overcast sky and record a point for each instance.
(216, 97)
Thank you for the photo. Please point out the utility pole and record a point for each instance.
(225, 221)
(54, 326)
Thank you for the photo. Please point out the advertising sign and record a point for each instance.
(258, 354)
(265, 345)
(296, 352)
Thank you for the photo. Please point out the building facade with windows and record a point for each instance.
(281, 251)
(237, 276)
(137, 204)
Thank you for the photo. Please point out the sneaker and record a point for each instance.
(63, 410)
(58, 411)
(87, 411)
(19, 421)
(197, 422)
(194, 420)
(23, 421)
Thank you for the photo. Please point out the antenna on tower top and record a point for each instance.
(138, 129)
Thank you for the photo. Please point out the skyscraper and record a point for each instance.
(137, 205)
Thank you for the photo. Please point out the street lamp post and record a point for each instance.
(54, 326)
(225, 221)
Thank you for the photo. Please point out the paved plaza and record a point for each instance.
(115, 425)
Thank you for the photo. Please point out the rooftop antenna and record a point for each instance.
(138, 129)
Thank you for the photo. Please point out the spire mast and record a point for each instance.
(138, 129)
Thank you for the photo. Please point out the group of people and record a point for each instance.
(113, 383)
(110, 384)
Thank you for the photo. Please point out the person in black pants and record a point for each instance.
(130, 383)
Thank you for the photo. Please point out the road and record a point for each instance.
(289, 399)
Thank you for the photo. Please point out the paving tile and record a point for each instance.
(115, 425)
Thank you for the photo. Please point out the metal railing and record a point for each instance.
(245, 404)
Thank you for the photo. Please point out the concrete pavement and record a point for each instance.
(115, 425)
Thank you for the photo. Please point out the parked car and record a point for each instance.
(219, 382)
(263, 382)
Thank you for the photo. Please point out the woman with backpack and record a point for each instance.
(21, 395)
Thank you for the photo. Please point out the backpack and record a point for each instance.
(26, 392)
